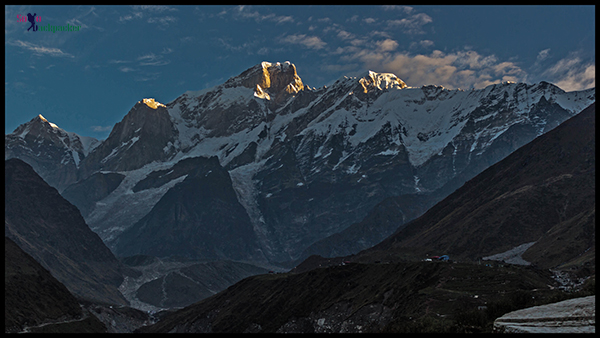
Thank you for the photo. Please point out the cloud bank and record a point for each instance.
(572, 73)
(40, 50)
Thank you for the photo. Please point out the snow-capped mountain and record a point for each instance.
(306, 163)
(54, 153)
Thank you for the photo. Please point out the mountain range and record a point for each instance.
(544, 192)
(289, 170)
(354, 184)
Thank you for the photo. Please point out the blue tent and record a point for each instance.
(444, 258)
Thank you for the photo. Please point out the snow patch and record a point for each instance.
(512, 256)
(388, 152)
(110, 210)
(247, 194)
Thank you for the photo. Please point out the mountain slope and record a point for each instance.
(171, 284)
(357, 298)
(200, 216)
(384, 218)
(141, 137)
(544, 190)
(31, 295)
(52, 231)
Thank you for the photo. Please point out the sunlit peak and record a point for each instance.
(43, 119)
(152, 104)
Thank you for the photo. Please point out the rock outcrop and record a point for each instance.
(271, 81)
(577, 315)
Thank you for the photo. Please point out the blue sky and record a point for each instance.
(86, 81)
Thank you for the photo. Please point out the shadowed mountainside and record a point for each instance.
(54, 233)
(32, 296)
(544, 192)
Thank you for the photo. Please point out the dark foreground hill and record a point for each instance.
(32, 297)
(50, 229)
(394, 297)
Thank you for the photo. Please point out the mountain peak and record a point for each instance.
(36, 125)
(152, 104)
(42, 119)
(380, 81)
(269, 80)
(370, 80)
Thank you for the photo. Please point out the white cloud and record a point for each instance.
(152, 59)
(542, 55)
(572, 73)
(118, 61)
(147, 76)
(353, 18)
(422, 43)
(244, 12)
(380, 33)
(158, 9)
(165, 20)
(40, 50)
(462, 69)
(101, 128)
(413, 24)
(369, 20)
(386, 45)
(405, 9)
(132, 16)
(247, 45)
(313, 42)
(139, 12)
(344, 35)
(76, 22)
